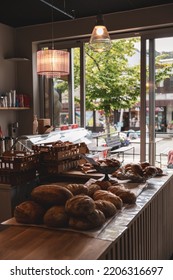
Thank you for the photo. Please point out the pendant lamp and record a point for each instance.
(50, 62)
(53, 63)
(100, 40)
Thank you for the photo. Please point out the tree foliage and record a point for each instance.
(111, 83)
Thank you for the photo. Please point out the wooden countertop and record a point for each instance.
(33, 243)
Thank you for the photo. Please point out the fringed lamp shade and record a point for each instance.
(53, 63)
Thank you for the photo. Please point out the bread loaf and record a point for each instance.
(92, 189)
(107, 207)
(144, 164)
(150, 171)
(56, 217)
(50, 195)
(137, 169)
(126, 195)
(104, 185)
(77, 189)
(91, 221)
(105, 195)
(29, 212)
(80, 205)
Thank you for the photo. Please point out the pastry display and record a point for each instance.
(139, 172)
(29, 212)
(84, 206)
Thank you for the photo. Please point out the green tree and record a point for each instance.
(111, 83)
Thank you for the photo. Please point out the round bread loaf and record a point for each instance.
(50, 195)
(137, 169)
(105, 195)
(80, 205)
(107, 207)
(56, 217)
(104, 185)
(92, 189)
(126, 195)
(150, 171)
(159, 171)
(29, 212)
(77, 189)
(91, 221)
(144, 164)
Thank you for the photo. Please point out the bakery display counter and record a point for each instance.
(140, 231)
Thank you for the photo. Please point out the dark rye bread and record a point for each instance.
(50, 195)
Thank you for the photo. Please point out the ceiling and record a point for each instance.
(21, 13)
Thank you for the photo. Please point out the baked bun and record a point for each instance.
(80, 205)
(91, 221)
(50, 195)
(108, 196)
(92, 189)
(144, 164)
(159, 171)
(56, 217)
(126, 195)
(107, 207)
(137, 169)
(104, 185)
(77, 189)
(29, 212)
(150, 171)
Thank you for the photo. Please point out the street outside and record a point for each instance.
(165, 143)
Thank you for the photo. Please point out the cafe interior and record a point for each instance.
(61, 159)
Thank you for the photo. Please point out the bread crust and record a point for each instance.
(105, 195)
(80, 206)
(56, 216)
(50, 195)
(29, 212)
(107, 207)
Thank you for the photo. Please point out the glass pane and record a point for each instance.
(164, 100)
(113, 92)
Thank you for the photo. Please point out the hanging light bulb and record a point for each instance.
(100, 40)
(53, 63)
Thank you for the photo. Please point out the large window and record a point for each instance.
(128, 89)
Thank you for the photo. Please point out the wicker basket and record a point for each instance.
(18, 167)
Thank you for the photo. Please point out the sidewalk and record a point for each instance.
(161, 145)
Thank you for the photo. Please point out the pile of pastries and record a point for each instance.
(104, 163)
(137, 172)
(75, 206)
